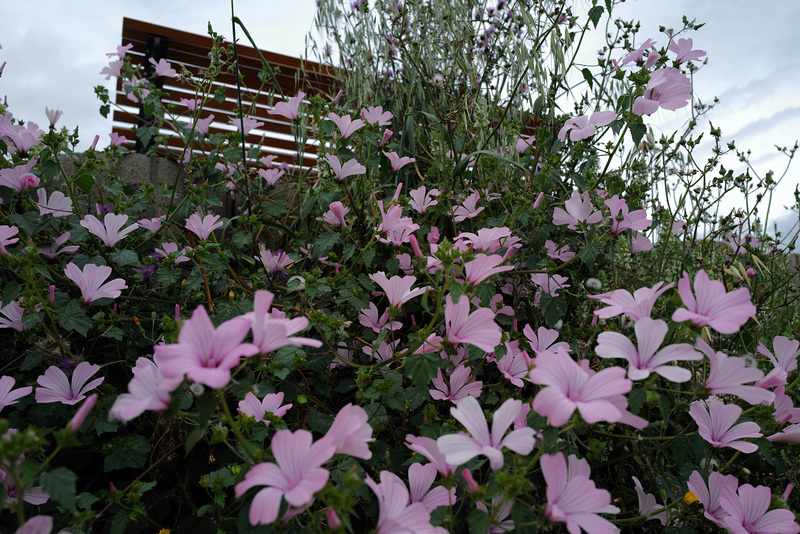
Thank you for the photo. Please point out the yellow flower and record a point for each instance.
(690, 498)
(163, 531)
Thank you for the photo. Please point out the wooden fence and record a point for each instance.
(191, 51)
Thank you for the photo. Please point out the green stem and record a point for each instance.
(234, 426)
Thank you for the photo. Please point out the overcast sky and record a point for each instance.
(54, 51)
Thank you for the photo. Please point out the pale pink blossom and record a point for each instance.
(709, 494)
(350, 433)
(372, 318)
(747, 512)
(482, 267)
(556, 253)
(24, 137)
(202, 228)
(147, 390)
(10, 396)
(121, 52)
(578, 209)
(668, 89)
(711, 305)
(396, 515)
(648, 504)
(111, 230)
(420, 480)
(152, 225)
(543, 341)
(113, 69)
(56, 387)
(80, 416)
(624, 219)
(90, 281)
(58, 205)
(350, 168)
(275, 262)
(289, 109)
(469, 208)
(55, 249)
(477, 328)
(295, 476)
(172, 248)
(335, 215)
(397, 288)
(428, 448)
(421, 199)
(163, 68)
(346, 126)
(583, 126)
(523, 143)
(548, 284)
(646, 357)
(640, 243)
(683, 50)
(245, 125)
(12, 316)
(461, 385)
(499, 513)
(461, 448)
(637, 55)
(678, 227)
(271, 176)
(376, 115)
(635, 306)
(272, 403)
(490, 240)
(715, 421)
(202, 125)
(397, 162)
(784, 361)
(271, 329)
(19, 178)
(785, 411)
(514, 365)
(7, 234)
(205, 354)
(398, 229)
(728, 375)
(573, 498)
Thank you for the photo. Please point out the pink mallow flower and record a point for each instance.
(19, 178)
(397, 288)
(147, 390)
(422, 199)
(202, 228)
(57, 388)
(711, 305)
(573, 498)
(571, 386)
(747, 512)
(461, 385)
(668, 88)
(645, 357)
(398, 162)
(396, 515)
(635, 306)
(640, 243)
(483, 266)
(350, 433)
(477, 328)
(556, 253)
(335, 215)
(428, 448)
(295, 476)
(376, 115)
(398, 229)
(648, 504)
(271, 329)
(372, 318)
(289, 109)
(420, 480)
(683, 50)
(90, 281)
(7, 234)
(275, 262)
(784, 361)
(109, 231)
(271, 176)
(58, 205)
(205, 354)
(629, 220)
(578, 209)
(163, 68)
(350, 168)
(53, 115)
(272, 403)
(469, 208)
(55, 249)
(346, 126)
(715, 422)
(12, 316)
(10, 396)
(583, 126)
(709, 494)
(728, 375)
(461, 448)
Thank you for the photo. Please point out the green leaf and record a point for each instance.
(74, 319)
(276, 209)
(421, 368)
(124, 257)
(595, 13)
(119, 523)
(130, 451)
(206, 405)
(113, 333)
(60, 485)
(324, 244)
(587, 75)
(638, 131)
(588, 254)
(10, 292)
(636, 399)
(33, 359)
(31, 222)
(553, 308)
(479, 522)
(85, 181)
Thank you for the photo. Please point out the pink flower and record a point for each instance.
(709, 494)
(461, 448)
(573, 498)
(147, 390)
(271, 330)
(275, 262)
(683, 50)
(113, 68)
(545, 341)
(490, 240)
(523, 143)
(122, 50)
(12, 316)
(295, 476)
(271, 176)
(376, 115)
(258, 409)
(80, 416)
(421, 199)
(461, 385)
(550, 284)
(346, 126)
(9, 396)
(483, 266)
(469, 208)
(578, 209)
(420, 480)
(7, 234)
(583, 127)
(205, 354)
(396, 514)
(747, 512)
(59, 205)
(715, 423)
(289, 109)
(163, 68)
(350, 168)
(398, 162)
(648, 504)
(350, 433)
(335, 215)
(23, 137)
(202, 228)
(499, 513)
(53, 115)
(398, 229)
(397, 288)
(712, 306)
(514, 364)
(570, 386)
(784, 361)
(646, 358)
(57, 388)
(110, 231)
(117, 140)
(640, 243)
(90, 281)
(54, 250)
(635, 306)
(172, 248)
(678, 227)
(784, 408)
(19, 178)
(190, 103)
(245, 124)
(371, 318)
(634, 220)
(637, 55)
(428, 448)
(153, 224)
(555, 253)
(668, 88)
(202, 125)
(728, 375)
(477, 328)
